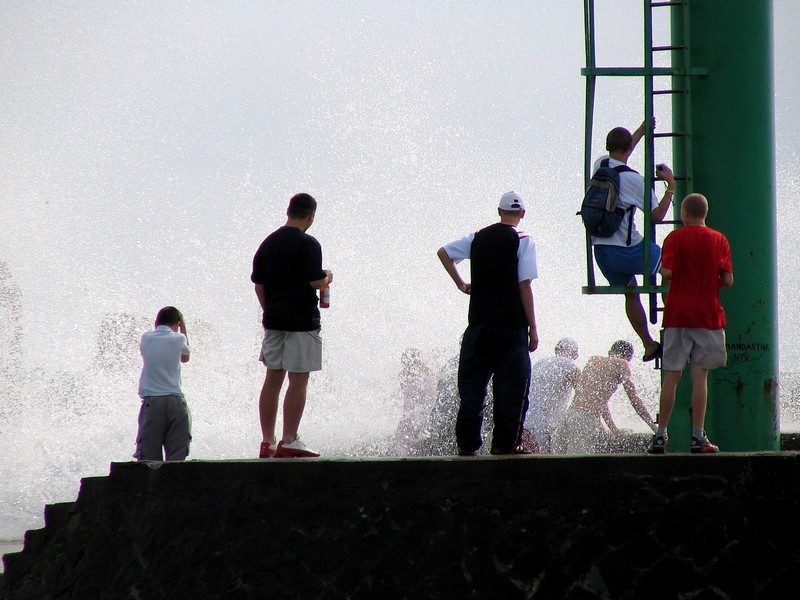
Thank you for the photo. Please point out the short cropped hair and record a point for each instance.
(619, 139)
(567, 347)
(301, 205)
(169, 315)
(621, 349)
(510, 213)
(695, 205)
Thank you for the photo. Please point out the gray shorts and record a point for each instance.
(293, 351)
(701, 348)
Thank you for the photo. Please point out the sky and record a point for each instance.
(147, 148)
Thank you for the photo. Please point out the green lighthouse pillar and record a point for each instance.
(733, 165)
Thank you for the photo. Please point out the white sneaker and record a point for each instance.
(295, 449)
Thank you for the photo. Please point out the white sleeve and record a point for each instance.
(185, 350)
(526, 254)
(460, 249)
(632, 190)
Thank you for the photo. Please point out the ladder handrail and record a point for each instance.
(647, 192)
(682, 150)
(588, 23)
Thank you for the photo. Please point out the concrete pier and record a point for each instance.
(608, 526)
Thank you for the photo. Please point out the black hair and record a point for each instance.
(619, 139)
(301, 205)
(169, 315)
(621, 349)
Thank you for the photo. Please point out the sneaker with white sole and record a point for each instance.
(703, 446)
(658, 445)
(295, 449)
(266, 450)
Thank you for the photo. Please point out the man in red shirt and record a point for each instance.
(696, 262)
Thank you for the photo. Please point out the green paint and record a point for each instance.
(722, 61)
(729, 115)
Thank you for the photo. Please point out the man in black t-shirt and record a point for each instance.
(287, 271)
(501, 331)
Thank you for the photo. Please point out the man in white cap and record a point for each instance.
(553, 379)
(501, 331)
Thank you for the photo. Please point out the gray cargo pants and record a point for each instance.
(163, 421)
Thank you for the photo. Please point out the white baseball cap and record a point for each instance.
(511, 201)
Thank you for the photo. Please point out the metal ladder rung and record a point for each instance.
(665, 48)
(661, 92)
(660, 4)
(625, 289)
(670, 134)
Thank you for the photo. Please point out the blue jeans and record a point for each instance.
(503, 353)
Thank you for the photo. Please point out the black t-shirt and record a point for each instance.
(284, 264)
(494, 299)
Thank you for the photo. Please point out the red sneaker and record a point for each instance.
(703, 446)
(266, 450)
(295, 449)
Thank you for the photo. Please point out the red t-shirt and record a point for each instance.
(696, 255)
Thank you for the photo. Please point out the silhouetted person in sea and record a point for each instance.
(116, 342)
(582, 429)
(553, 379)
(418, 391)
(10, 326)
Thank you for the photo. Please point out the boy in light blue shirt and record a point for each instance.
(164, 419)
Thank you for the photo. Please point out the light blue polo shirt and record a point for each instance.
(161, 351)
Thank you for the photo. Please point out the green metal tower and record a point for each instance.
(723, 147)
(733, 165)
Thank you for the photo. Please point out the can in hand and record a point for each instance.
(325, 297)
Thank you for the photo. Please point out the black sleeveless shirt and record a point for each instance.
(495, 299)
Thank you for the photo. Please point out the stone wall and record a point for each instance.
(621, 526)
